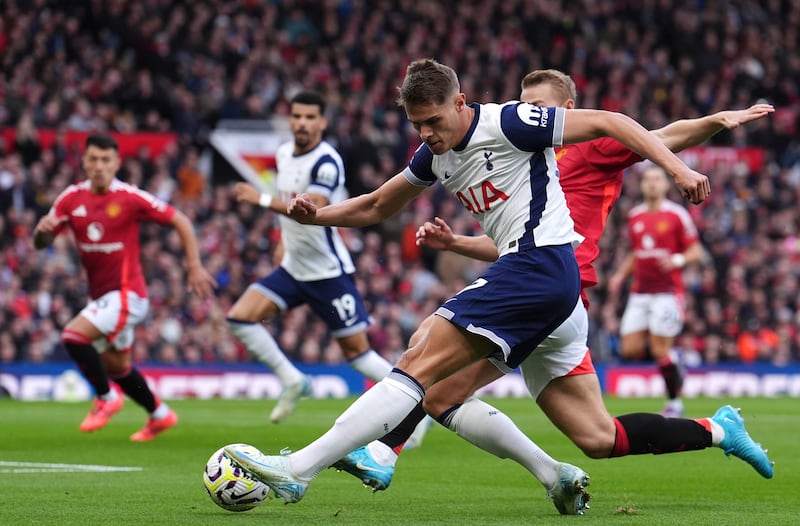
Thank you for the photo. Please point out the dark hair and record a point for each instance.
(311, 98)
(103, 141)
(427, 82)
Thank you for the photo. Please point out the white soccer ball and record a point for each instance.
(229, 486)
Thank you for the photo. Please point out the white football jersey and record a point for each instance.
(504, 172)
(311, 253)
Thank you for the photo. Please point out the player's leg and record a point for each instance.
(161, 417)
(120, 317)
(262, 300)
(445, 349)
(506, 312)
(338, 302)
(77, 338)
(574, 404)
(666, 322)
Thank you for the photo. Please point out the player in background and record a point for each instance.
(591, 175)
(663, 241)
(315, 269)
(499, 162)
(104, 215)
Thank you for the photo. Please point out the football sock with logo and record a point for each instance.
(372, 365)
(375, 413)
(135, 386)
(399, 435)
(640, 433)
(673, 378)
(260, 343)
(491, 430)
(80, 349)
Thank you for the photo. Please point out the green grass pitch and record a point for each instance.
(447, 481)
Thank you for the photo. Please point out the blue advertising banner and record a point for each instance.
(61, 381)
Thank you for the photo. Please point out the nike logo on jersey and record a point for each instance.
(447, 175)
(351, 321)
(79, 212)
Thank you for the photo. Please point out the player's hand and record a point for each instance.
(245, 193)
(47, 224)
(200, 281)
(302, 209)
(694, 186)
(735, 118)
(436, 235)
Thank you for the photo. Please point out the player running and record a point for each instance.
(104, 215)
(316, 268)
(663, 240)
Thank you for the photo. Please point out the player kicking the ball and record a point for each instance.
(498, 160)
(104, 215)
(591, 177)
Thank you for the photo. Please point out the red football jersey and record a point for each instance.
(655, 235)
(106, 230)
(591, 176)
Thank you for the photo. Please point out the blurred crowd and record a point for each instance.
(181, 67)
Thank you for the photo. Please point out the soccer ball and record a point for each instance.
(229, 486)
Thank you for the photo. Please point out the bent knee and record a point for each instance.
(599, 444)
(435, 406)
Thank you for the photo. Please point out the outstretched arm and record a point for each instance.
(200, 281)
(686, 133)
(584, 125)
(363, 210)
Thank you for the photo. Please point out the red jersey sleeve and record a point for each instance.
(610, 154)
(151, 208)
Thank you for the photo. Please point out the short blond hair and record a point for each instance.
(562, 84)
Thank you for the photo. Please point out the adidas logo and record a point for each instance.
(79, 212)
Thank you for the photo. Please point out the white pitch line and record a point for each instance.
(43, 467)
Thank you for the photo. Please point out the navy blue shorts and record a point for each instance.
(519, 300)
(336, 300)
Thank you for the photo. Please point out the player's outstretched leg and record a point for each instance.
(737, 441)
(569, 492)
(274, 471)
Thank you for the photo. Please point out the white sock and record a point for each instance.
(161, 411)
(263, 346)
(491, 430)
(110, 396)
(374, 414)
(717, 433)
(372, 365)
(383, 454)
